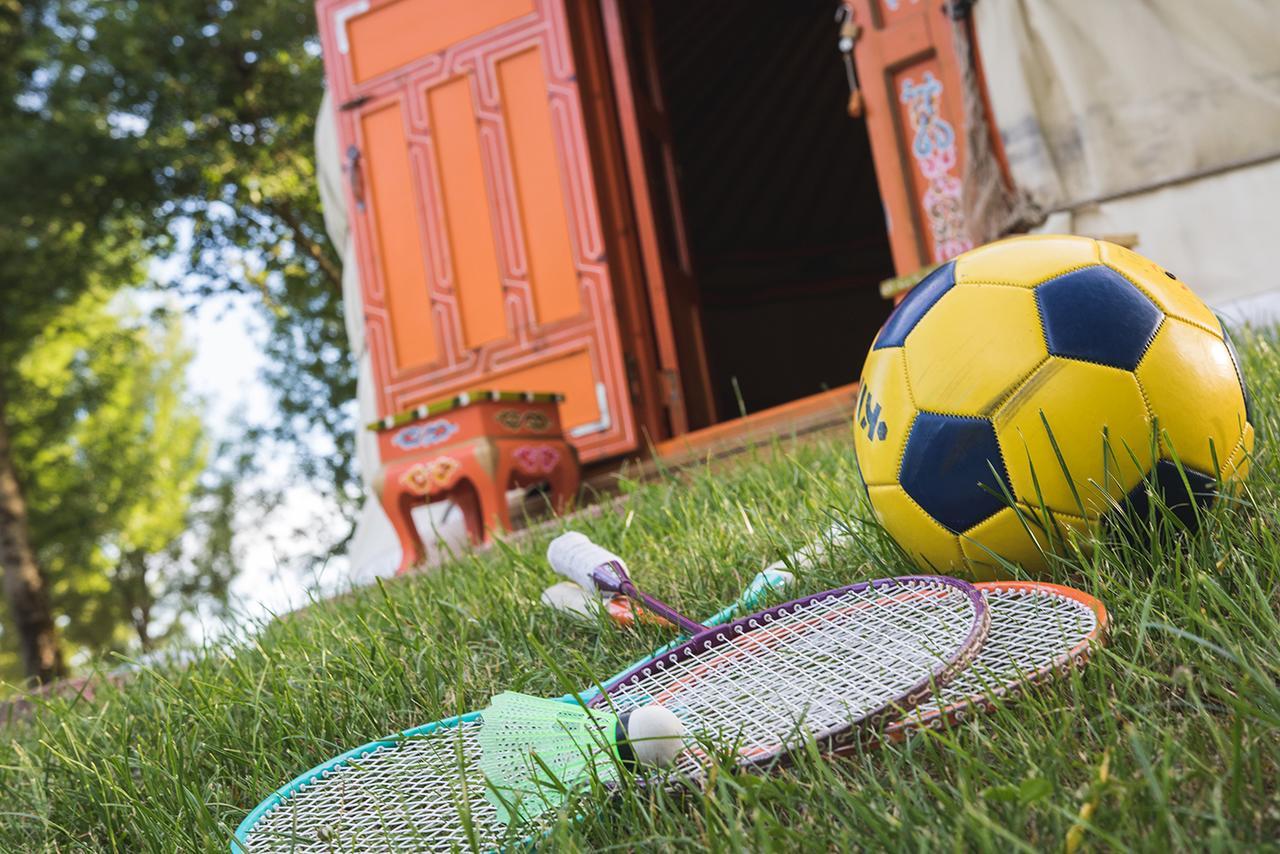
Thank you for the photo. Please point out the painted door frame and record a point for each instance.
(686, 387)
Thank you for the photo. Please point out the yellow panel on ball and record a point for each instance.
(1173, 296)
(972, 348)
(1026, 261)
(1194, 392)
(930, 545)
(1020, 537)
(883, 417)
(1079, 400)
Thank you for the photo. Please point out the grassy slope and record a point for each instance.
(1168, 740)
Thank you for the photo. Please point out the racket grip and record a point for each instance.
(578, 559)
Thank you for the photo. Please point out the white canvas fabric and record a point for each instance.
(374, 550)
(1099, 98)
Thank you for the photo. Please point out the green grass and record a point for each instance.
(1168, 740)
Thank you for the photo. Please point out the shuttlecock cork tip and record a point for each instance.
(655, 734)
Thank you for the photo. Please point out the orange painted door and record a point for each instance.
(478, 236)
(911, 82)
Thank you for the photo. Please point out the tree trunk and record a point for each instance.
(131, 578)
(24, 582)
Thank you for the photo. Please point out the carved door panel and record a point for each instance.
(911, 81)
(478, 236)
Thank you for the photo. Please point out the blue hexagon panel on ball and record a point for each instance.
(1097, 315)
(914, 306)
(952, 468)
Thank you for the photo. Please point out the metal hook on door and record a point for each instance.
(355, 177)
(849, 33)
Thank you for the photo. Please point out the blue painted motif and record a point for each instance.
(933, 147)
(915, 306)
(424, 435)
(947, 469)
(1097, 315)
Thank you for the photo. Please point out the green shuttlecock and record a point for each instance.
(534, 751)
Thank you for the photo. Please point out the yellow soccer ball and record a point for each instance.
(1029, 387)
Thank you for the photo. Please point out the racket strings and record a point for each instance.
(1032, 631)
(814, 668)
(414, 792)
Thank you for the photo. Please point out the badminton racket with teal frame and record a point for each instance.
(418, 789)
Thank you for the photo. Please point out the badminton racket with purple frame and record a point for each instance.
(418, 789)
(833, 667)
(1038, 632)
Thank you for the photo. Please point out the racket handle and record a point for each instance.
(583, 562)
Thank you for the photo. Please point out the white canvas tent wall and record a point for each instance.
(1156, 119)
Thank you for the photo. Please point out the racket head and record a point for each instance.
(386, 763)
(1039, 631)
(810, 644)
(437, 805)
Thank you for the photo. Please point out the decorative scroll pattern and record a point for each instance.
(426, 477)
(516, 419)
(424, 435)
(934, 149)
(536, 459)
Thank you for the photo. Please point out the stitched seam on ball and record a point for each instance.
(1146, 401)
(1131, 371)
(1156, 302)
(1151, 339)
(1034, 510)
(1008, 478)
(955, 538)
(906, 377)
(1032, 285)
(902, 452)
(1200, 326)
(1230, 461)
(915, 412)
(1040, 323)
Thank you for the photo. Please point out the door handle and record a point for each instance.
(355, 176)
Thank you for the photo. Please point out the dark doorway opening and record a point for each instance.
(765, 194)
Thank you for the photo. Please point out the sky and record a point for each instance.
(227, 334)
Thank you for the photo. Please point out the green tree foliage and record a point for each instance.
(74, 216)
(110, 450)
(177, 127)
(167, 128)
(220, 98)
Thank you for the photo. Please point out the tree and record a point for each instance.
(72, 218)
(222, 96)
(111, 449)
(137, 129)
